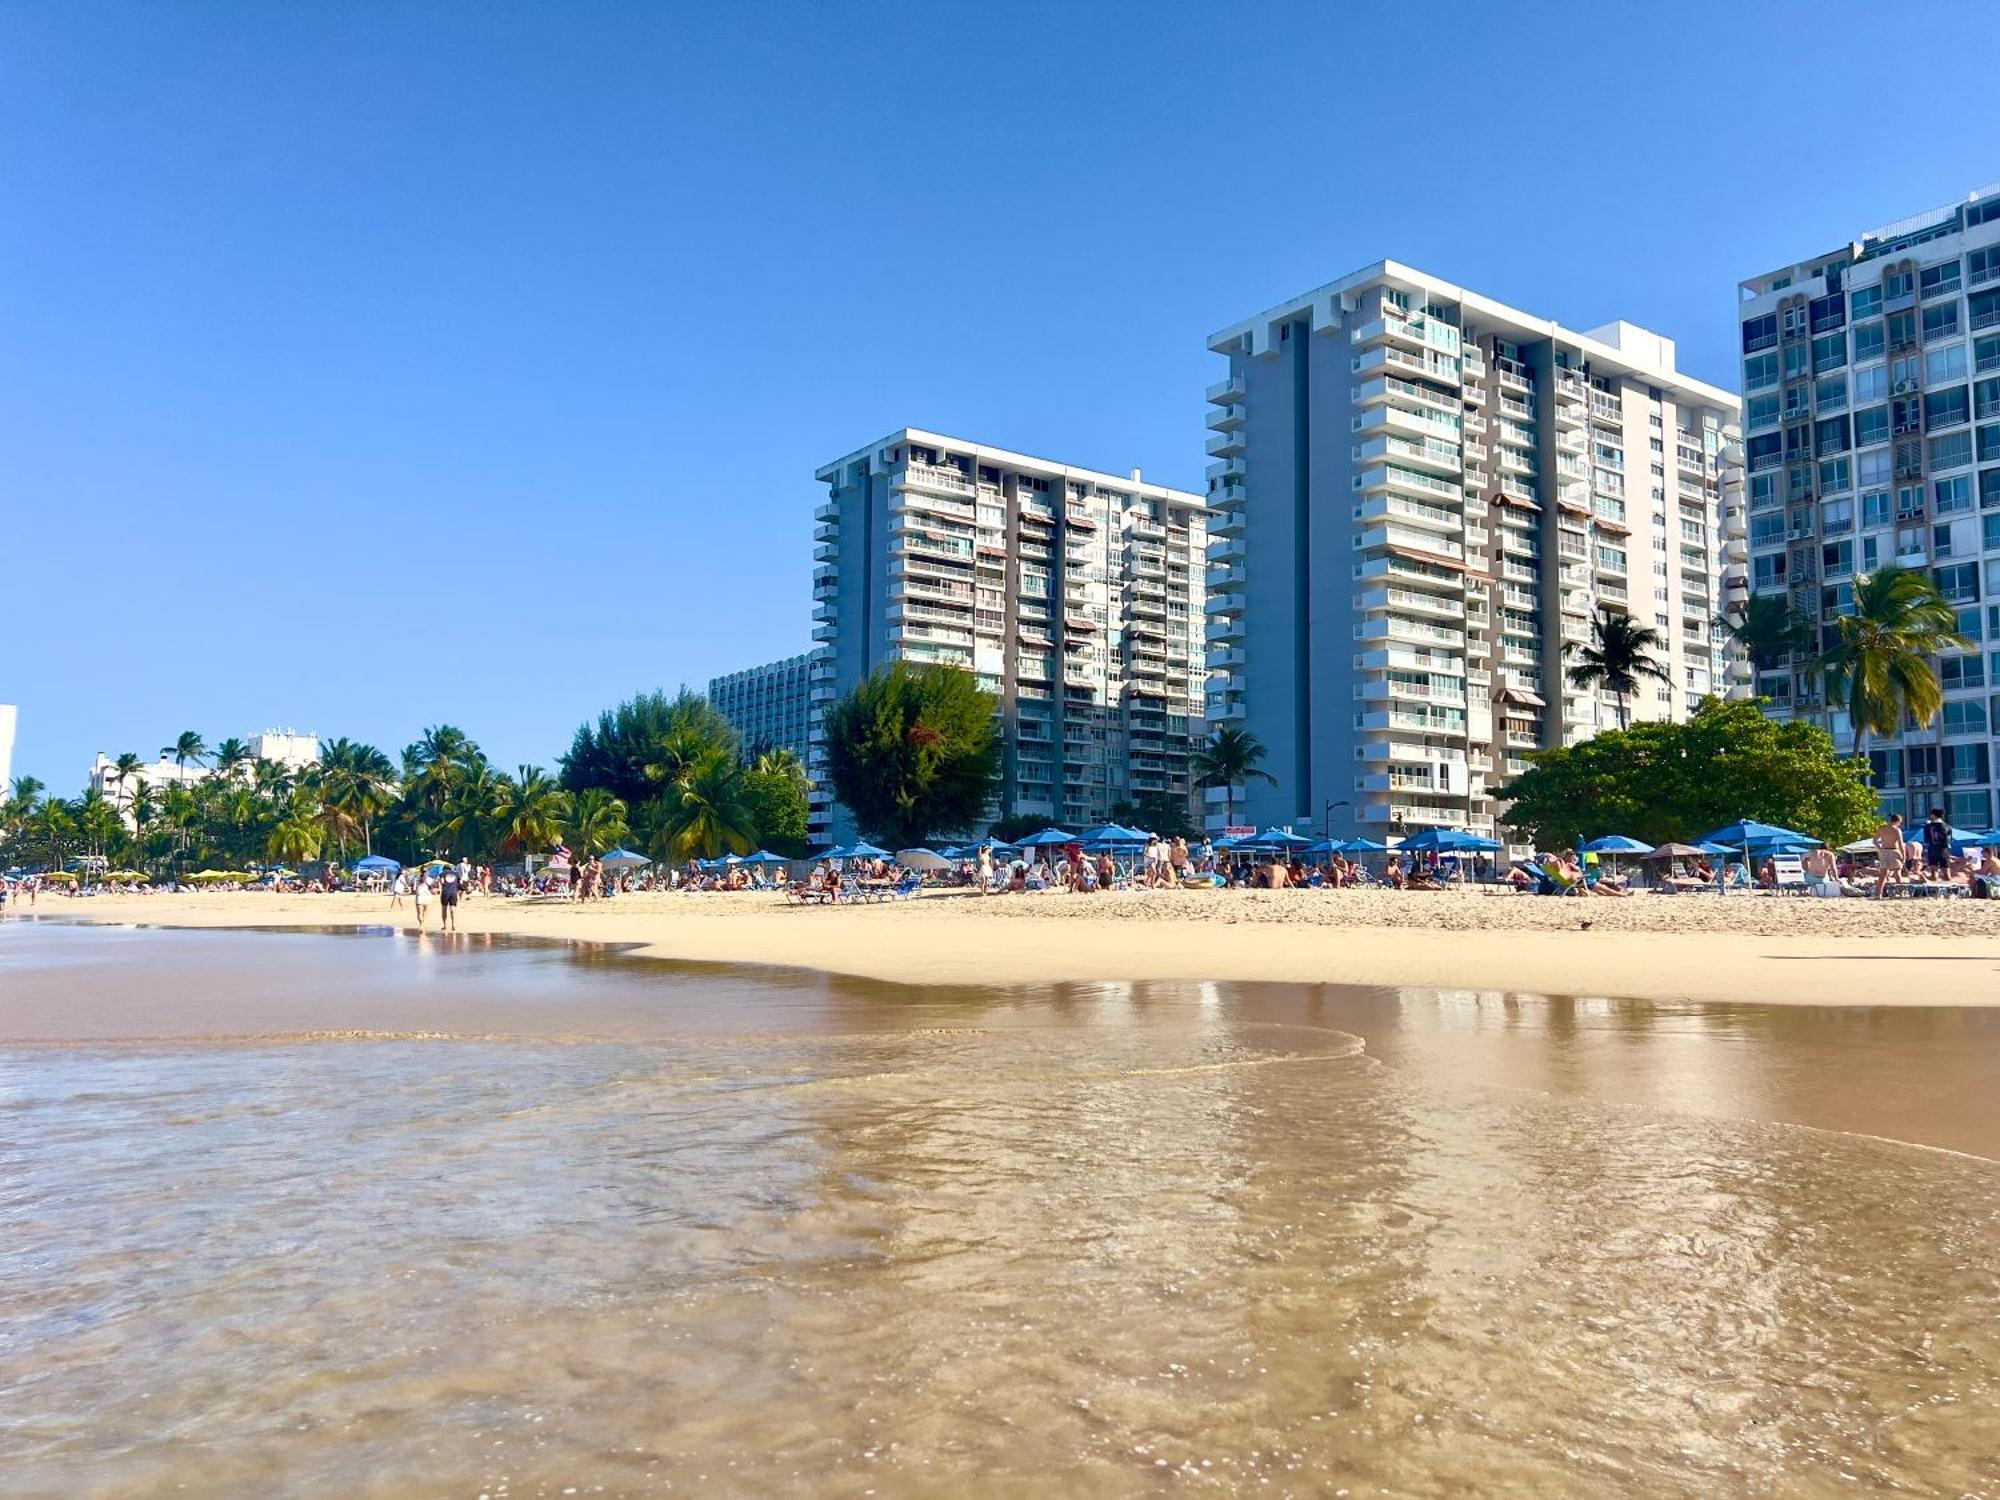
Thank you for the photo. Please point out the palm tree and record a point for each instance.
(298, 834)
(123, 770)
(1228, 760)
(528, 811)
(355, 780)
(596, 821)
(1623, 654)
(188, 747)
(1878, 667)
(1769, 630)
(703, 814)
(229, 755)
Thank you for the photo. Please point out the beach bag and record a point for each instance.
(1825, 888)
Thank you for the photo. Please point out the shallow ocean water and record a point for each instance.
(363, 1214)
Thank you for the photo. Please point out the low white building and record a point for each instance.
(284, 747)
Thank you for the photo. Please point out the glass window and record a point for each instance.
(1947, 408)
(1989, 490)
(1868, 341)
(1989, 442)
(1760, 411)
(1865, 301)
(1872, 468)
(1830, 351)
(1898, 284)
(1760, 333)
(1951, 450)
(1958, 672)
(1938, 281)
(1964, 716)
(1982, 266)
(1943, 365)
(1985, 309)
(1985, 355)
(1875, 508)
(1986, 399)
(1958, 582)
(1830, 436)
(1991, 539)
(1941, 321)
(1830, 394)
(1837, 559)
(1969, 809)
(1759, 371)
(1869, 385)
(1871, 426)
(1950, 496)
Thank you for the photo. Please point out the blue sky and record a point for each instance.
(370, 366)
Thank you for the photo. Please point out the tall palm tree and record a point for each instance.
(123, 770)
(187, 747)
(1768, 630)
(1230, 759)
(597, 821)
(230, 755)
(703, 813)
(1623, 654)
(355, 781)
(528, 811)
(1878, 667)
(298, 834)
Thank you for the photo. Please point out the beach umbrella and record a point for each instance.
(1987, 840)
(1617, 843)
(1673, 851)
(922, 859)
(866, 850)
(1750, 838)
(376, 864)
(1324, 846)
(1272, 840)
(765, 857)
(617, 859)
(1473, 843)
(1046, 837)
(1430, 841)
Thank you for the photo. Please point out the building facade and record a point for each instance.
(1871, 416)
(1420, 499)
(767, 705)
(1075, 596)
(283, 747)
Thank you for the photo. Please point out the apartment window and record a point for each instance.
(1985, 309)
(1836, 516)
(1760, 333)
(1869, 342)
(1964, 716)
(1830, 436)
(1986, 399)
(1759, 371)
(1871, 384)
(1903, 374)
(1768, 572)
(1989, 490)
(1871, 426)
(1982, 266)
(1959, 582)
(1838, 600)
(1898, 284)
(1958, 672)
(1760, 412)
(1830, 394)
(1837, 559)
(1886, 767)
(1794, 357)
(1871, 469)
(1989, 442)
(1834, 476)
(1830, 352)
(1875, 508)
(1944, 365)
(1941, 541)
(1985, 355)
(1965, 765)
(1938, 281)
(1951, 450)
(1870, 554)
(1768, 530)
(1950, 496)
(1941, 321)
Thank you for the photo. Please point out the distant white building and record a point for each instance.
(285, 747)
(9, 716)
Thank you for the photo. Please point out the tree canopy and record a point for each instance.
(1677, 781)
(913, 752)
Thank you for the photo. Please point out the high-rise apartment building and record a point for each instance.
(767, 705)
(1871, 418)
(1075, 596)
(1420, 499)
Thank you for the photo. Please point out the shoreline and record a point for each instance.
(1726, 949)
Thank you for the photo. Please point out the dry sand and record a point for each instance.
(1783, 950)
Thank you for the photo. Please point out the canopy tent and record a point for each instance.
(1617, 843)
(619, 859)
(922, 859)
(376, 864)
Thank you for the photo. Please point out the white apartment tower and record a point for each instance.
(1420, 499)
(1871, 416)
(1075, 596)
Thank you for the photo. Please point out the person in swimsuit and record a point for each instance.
(448, 890)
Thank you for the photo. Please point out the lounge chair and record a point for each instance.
(1790, 871)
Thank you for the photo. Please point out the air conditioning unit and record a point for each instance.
(1919, 778)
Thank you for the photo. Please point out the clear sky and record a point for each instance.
(370, 366)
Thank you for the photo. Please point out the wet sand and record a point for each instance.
(373, 1215)
(1791, 951)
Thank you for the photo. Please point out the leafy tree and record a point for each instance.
(597, 821)
(775, 790)
(230, 757)
(1622, 654)
(299, 833)
(912, 751)
(1657, 781)
(188, 747)
(1769, 630)
(527, 811)
(1879, 665)
(357, 782)
(652, 733)
(1156, 812)
(1230, 759)
(124, 771)
(703, 814)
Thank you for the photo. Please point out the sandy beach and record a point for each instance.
(1784, 951)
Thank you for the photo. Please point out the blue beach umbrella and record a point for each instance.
(765, 857)
(1046, 837)
(1362, 846)
(1617, 843)
(617, 858)
(376, 864)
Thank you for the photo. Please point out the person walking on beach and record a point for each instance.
(1889, 851)
(448, 890)
(985, 869)
(420, 895)
(398, 889)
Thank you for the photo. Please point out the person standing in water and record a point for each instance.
(448, 890)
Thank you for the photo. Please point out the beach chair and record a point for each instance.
(905, 888)
(1791, 874)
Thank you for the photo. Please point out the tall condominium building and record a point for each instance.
(1421, 497)
(1075, 596)
(1871, 415)
(767, 705)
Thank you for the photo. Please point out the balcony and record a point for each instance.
(1221, 630)
(1228, 444)
(1225, 392)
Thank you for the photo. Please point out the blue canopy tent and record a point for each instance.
(376, 864)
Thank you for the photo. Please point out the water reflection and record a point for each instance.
(642, 1226)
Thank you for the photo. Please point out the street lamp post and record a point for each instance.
(1326, 814)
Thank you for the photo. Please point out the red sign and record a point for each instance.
(1238, 830)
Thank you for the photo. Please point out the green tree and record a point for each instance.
(1657, 781)
(597, 821)
(1769, 630)
(912, 751)
(356, 780)
(187, 747)
(124, 771)
(299, 834)
(1229, 759)
(528, 811)
(1878, 667)
(1622, 653)
(644, 743)
(230, 757)
(703, 814)
(775, 790)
